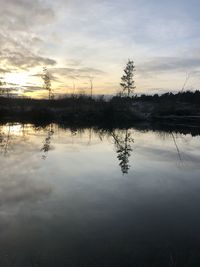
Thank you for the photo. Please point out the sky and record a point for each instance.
(79, 40)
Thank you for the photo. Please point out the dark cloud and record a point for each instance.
(4, 70)
(22, 61)
(14, 88)
(52, 77)
(31, 88)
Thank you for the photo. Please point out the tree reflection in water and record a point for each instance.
(6, 137)
(123, 141)
(4, 140)
(12, 134)
(47, 141)
(123, 144)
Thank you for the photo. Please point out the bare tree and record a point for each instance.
(91, 86)
(74, 87)
(188, 75)
(127, 82)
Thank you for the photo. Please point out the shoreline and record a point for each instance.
(116, 112)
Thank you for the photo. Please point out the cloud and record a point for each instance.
(83, 72)
(4, 70)
(102, 34)
(23, 61)
(15, 54)
(21, 15)
(52, 77)
(19, 42)
(166, 64)
(31, 88)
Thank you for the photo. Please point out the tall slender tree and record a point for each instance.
(47, 82)
(127, 82)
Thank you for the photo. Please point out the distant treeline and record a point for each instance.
(186, 97)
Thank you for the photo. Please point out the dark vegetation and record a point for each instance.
(83, 110)
(180, 104)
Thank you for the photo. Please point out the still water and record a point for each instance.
(96, 197)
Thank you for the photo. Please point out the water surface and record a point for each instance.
(97, 197)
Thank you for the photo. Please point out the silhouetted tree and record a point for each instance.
(47, 82)
(127, 82)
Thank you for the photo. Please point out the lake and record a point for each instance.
(98, 197)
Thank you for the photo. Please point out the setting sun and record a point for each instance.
(16, 79)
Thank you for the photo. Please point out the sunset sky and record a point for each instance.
(78, 39)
